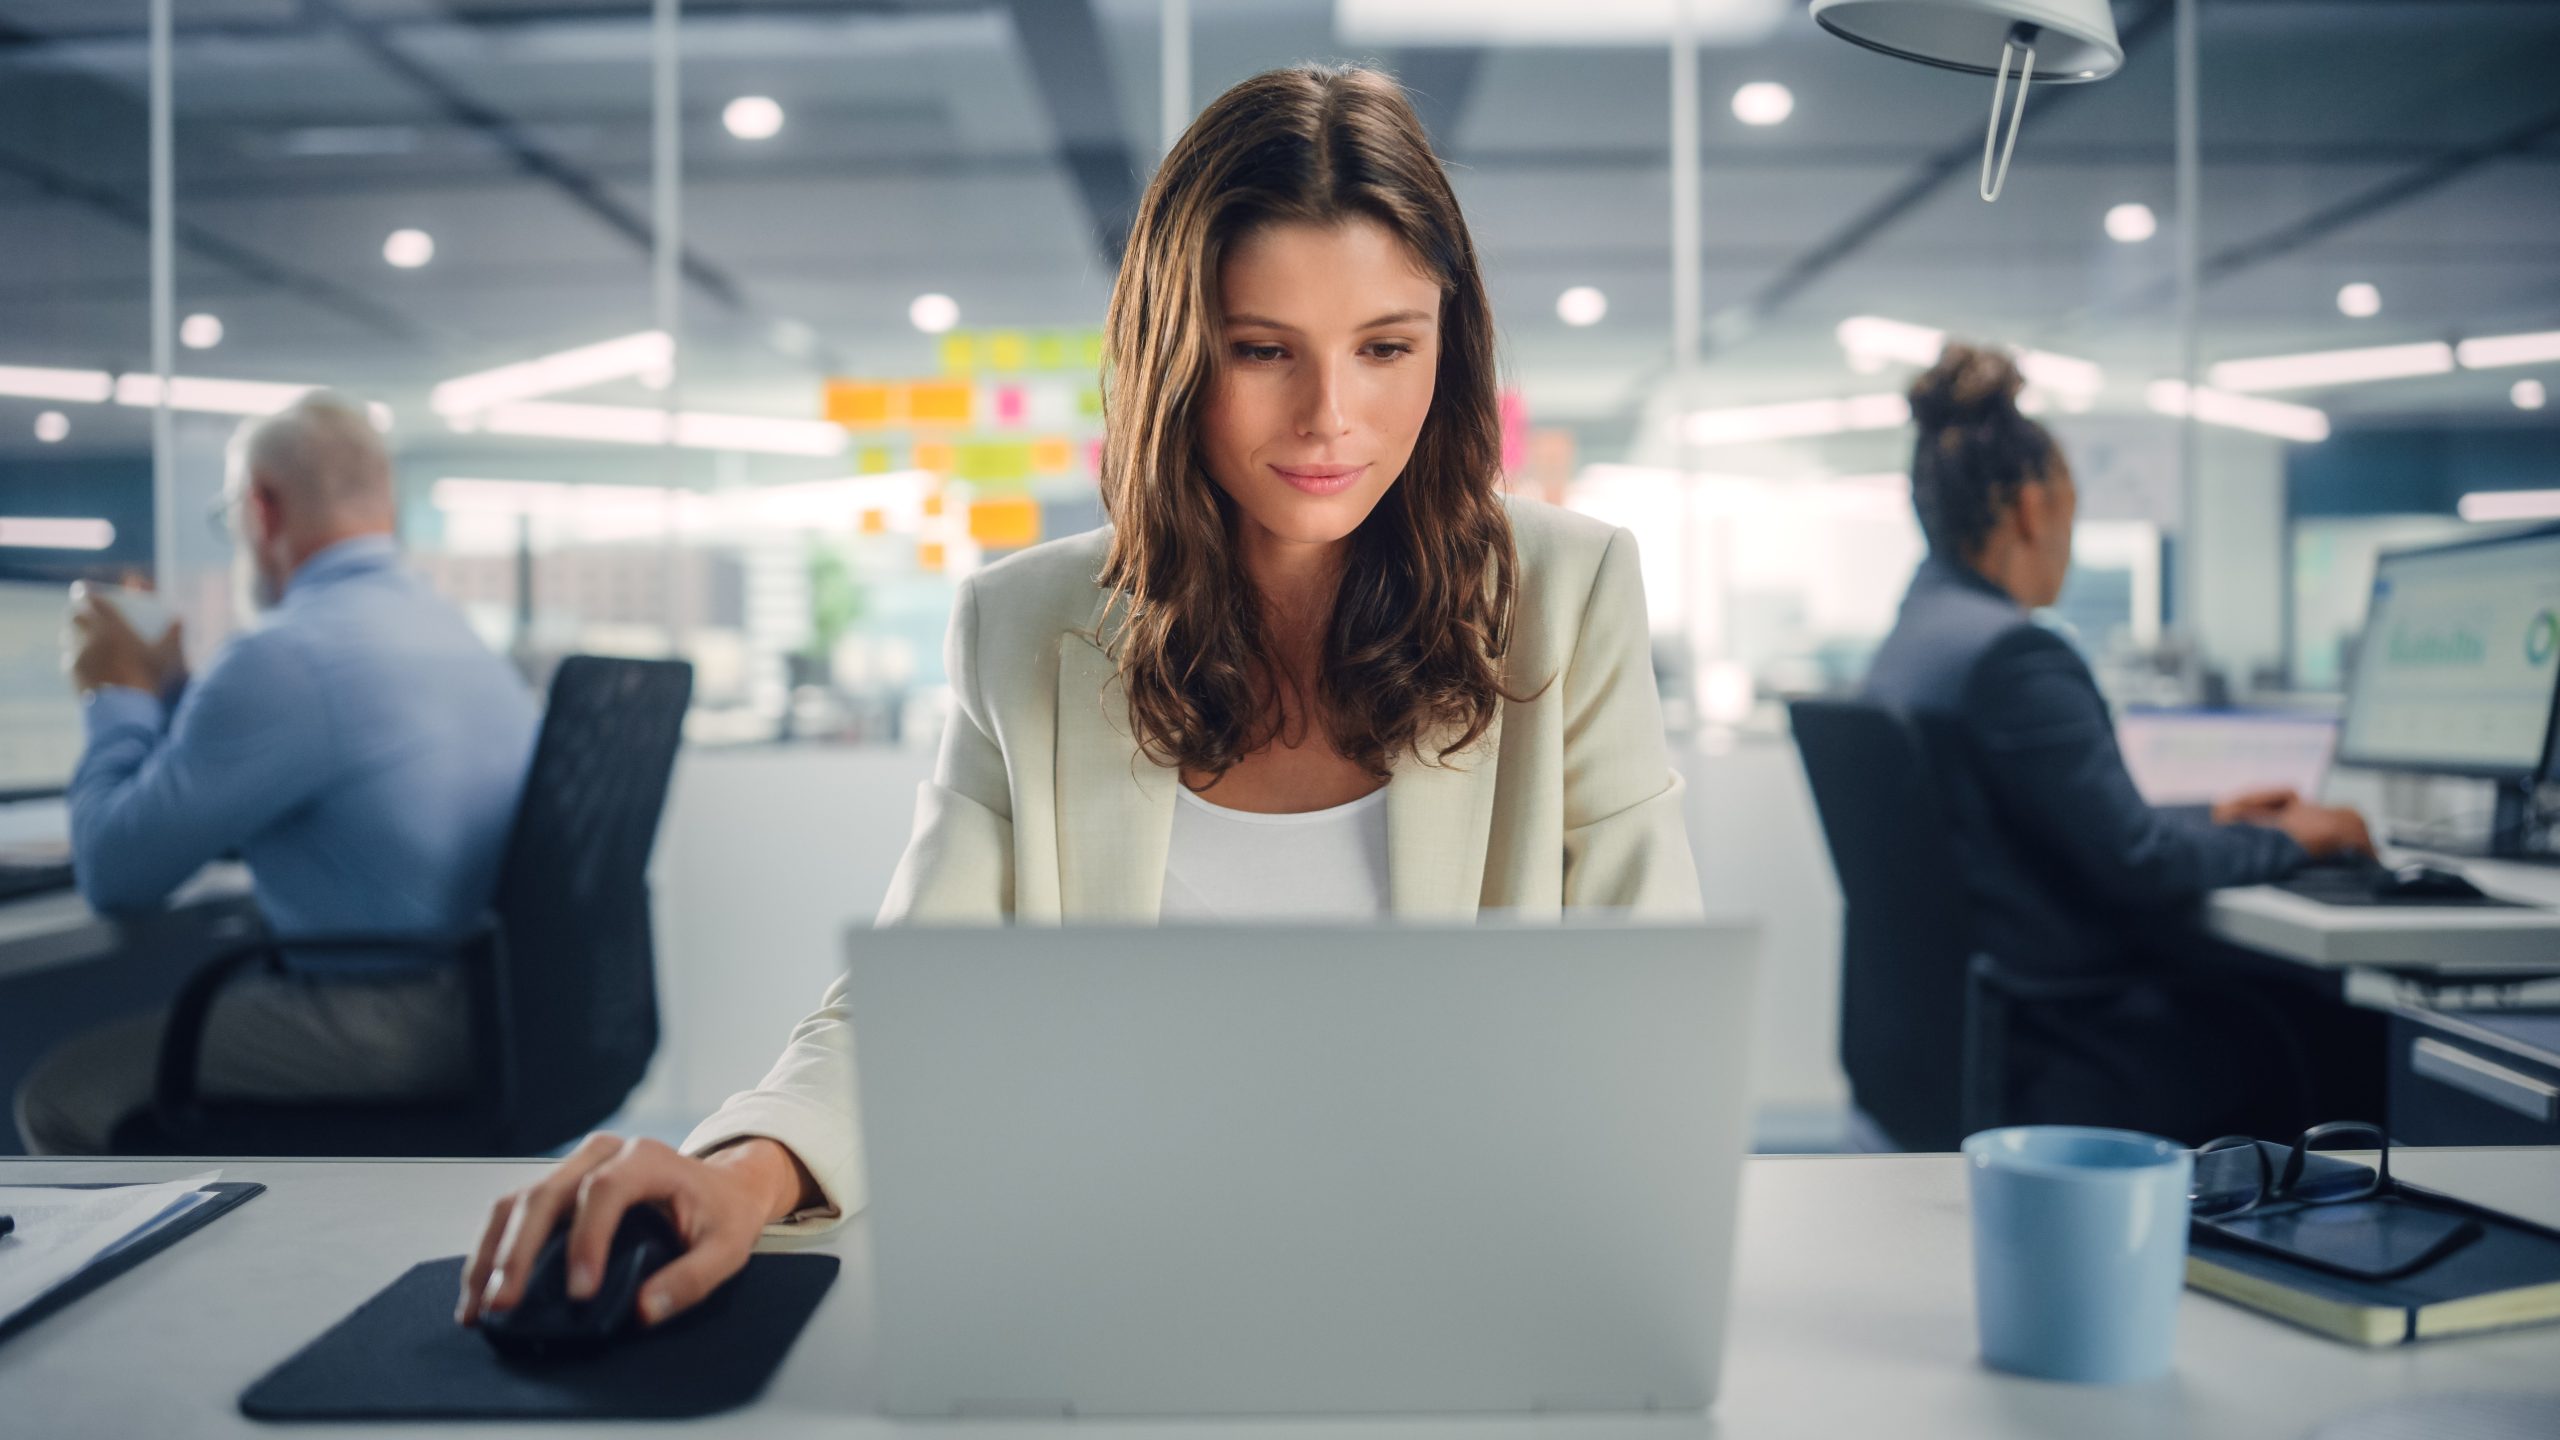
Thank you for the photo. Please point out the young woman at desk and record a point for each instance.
(2069, 870)
(1317, 667)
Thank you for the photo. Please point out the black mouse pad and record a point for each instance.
(401, 1357)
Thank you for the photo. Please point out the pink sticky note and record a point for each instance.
(1515, 430)
(1009, 405)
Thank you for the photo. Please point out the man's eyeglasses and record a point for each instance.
(220, 513)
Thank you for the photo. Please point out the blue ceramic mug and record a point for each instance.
(2079, 1250)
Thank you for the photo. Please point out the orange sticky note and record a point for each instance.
(940, 402)
(857, 404)
(938, 456)
(1008, 523)
(929, 557)
(1053, 455)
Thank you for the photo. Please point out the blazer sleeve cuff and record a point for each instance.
(820, 1138)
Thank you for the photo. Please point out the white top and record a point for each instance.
(1227, 864)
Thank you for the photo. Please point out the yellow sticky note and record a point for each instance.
(995, 460)
(857, 404)
(1089, 403)
(1007, 351)
(940, 402)
(1008, 523)
(1049, 351)
(872, 460)
(959, 354)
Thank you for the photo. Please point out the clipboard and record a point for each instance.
(227, 1195)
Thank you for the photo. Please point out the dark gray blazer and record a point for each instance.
(2069, 868)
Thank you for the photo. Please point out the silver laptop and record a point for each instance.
(1301, 1170)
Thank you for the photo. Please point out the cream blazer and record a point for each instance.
(1041, 811)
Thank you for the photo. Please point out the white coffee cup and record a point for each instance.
(145, 610)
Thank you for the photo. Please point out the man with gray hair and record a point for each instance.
(359, 748)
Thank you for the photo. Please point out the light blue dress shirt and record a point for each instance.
(362, 750)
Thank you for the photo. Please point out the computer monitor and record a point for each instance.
(40, 733)
(2458, 672)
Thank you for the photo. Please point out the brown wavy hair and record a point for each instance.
(1423, 616)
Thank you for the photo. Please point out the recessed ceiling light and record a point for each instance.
(753, 117)
(1763, 102)
(409, 249)
(2528, 395)
(1582, 305)
(2359, 301)
(200, 331)
(52, 427)
(933, 314)
(2132, 223)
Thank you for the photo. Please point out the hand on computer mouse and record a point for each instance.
(2326, 831)
(720, 1203)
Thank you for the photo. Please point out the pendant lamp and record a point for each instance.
(2067, 42)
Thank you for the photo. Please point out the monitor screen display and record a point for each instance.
(2460, 660)
(40, 735)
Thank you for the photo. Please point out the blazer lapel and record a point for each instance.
(1115, 807)
(1439, 821)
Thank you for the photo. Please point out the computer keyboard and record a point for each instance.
(2363, 880)
(20, 880)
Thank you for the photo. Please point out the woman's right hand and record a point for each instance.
(720, 1203)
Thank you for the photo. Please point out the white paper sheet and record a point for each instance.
(60, 1231)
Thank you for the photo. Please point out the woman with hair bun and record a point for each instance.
(2069, 869)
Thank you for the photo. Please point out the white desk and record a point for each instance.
(2453, 938)
(1853, 1316)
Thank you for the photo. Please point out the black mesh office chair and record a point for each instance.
(562, 976)
(1925, 1020)
(1907, 931)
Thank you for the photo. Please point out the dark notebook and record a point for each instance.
(227, 1195)
(2509, 1276)
(400, 1356)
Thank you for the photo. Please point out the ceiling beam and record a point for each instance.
(2435, 174)
(106, 109)
(520, 149)
(1062, 43)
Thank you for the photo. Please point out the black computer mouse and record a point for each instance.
(2424, 882)
(547, 1325)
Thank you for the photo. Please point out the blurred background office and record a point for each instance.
(739, 331)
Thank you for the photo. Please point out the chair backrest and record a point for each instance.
(578, 991)
(1908, 933)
